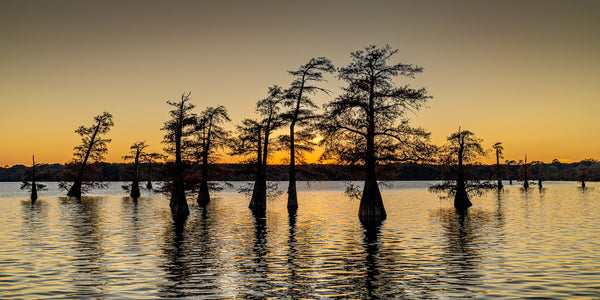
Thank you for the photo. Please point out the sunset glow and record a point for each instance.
(522, 73)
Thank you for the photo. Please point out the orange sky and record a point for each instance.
(525, 73)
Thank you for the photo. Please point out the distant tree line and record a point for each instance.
(554, 171)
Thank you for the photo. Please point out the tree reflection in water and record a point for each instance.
(371, 243)
(84, 221)
(462, 255)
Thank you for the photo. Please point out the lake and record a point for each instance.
(514, 244)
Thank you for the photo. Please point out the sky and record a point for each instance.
(524, 73)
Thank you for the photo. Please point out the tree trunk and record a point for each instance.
(292, 204)
(371, 204)
(178, 203)
(34, 194)
(204, 193)
(135, 184)
(75, 190)
(498, 173)
(461, 199)
(149, 185)
(258, 202)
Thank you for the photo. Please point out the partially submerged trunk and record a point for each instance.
(498, 174)
(258, 202)
(461, 199)
(292, 204)
(371, 204)
(135, 184)
(178, 203)
(204, 193)
(34, 194)
(75, 190)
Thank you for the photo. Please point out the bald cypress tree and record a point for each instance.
(498, 171)
(178, 132)
(254, 139)
(139, 155)
(29, 181)
(93, 148)
(367, 123)
(460, 181)
(301, 110)
(210, 135)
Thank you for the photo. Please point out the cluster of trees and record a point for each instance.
(365, 126)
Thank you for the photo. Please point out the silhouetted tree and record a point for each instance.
(301, 110)
(366, 124)
(498, 172)
(584, 169)
(508, 164)
(462, 149)
(210, 135)
(92, 149)
(139, 156)
(29, 181)
(253, 137)
(524, 173)
(541, 173)
(179, 130)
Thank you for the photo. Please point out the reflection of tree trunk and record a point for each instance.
(371, 204)
(371, 243)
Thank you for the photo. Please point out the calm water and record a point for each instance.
(516, 244)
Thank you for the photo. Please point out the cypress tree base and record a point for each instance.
(135, 190)
(461, 201)
(75, 190)
(292, 204)
(203, 194)
(371, 205)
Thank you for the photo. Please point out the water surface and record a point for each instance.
(515, 244)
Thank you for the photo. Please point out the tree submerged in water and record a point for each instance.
(210, 135)
(254, 139)
(178, 140)
(460, 182)
(366, 124)
(139, 157)
(29, 181)
(82, 170)
(300, 114)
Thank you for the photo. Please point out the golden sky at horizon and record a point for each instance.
(524, 73)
